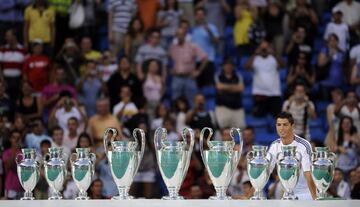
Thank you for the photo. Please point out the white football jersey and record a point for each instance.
(304, 148)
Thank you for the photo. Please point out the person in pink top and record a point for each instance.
(13, 188)
(184, 55)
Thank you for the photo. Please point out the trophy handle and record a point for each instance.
(106, 137)
(46, 158)
(313, 156)
(278, 157)
(159, 137)
(270, 156)
(19, 157)
(191, 145)
(332, 156)
(233, 135)
(73, 157)
(142, 149)
(92, 157)
(249, 155)
(211, 132)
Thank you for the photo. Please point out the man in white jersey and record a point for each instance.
(305, 189)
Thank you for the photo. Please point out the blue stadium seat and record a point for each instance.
(208, 92)
(321, 106)
(247, 103)
(210, 104)
(283, 74)
(265, 138)
(317, 135)
(315, 123)
(256, 121)
(247, 91)
(247, 77)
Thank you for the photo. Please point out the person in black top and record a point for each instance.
(124, 77)
(229, 87)
(298, 44)
(199, 118)
(28, 104)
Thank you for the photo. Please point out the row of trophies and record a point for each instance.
(221, 159)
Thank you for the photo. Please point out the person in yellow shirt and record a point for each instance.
(241, 29)
(88, 53)
(39, 23)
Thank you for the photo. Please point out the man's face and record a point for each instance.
(86, 44)
(154, 38)
(58, 137)
(124, 65)
(125, 92)
(10, 37)
(200, 16)
(248, 136)
(102, 107)
(284, 128)
(180, 34)
(337, 176)
(97, 188)
(59, 75)
(72, 125)
(200, 102)
(299, 92)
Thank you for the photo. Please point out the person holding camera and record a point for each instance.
(302, 109)
(350, 107)
(266, 87)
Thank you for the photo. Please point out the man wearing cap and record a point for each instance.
(338, 27)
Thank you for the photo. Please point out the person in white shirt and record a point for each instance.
(305, 188)
(350, 9)
(126, 108)
(57, 141)
(354, 55)
(338, 27)
(266, 87)
(339, 187)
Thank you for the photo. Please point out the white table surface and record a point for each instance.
(183, 203)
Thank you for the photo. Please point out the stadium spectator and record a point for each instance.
(330, 61)
(7, 106)
(339, 187)
(168, 21)
(37, 67)
(29, 105)
(229, 109)
(347, 143)
(184, 55)
(12, 56)
(266, 89)
(199, 118)
(206, 36)
(298, 44)
(57, 135)
(351, 107)
(36, 135)
(90, 87)
(13, 188)
(151, 50)
(123, 77)
(338, 27)
(125, 109)
(40, 24)
(302, 109)
(120, 14)
(134, 38)
(96, 190)
(107, 66)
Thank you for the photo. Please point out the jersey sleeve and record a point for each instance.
(306, 158)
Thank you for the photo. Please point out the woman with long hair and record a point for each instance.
(134, 38)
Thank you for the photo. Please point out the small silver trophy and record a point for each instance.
(82, 170)
(28, 170)
(221, 160)
(124, 159)
(173, 158)
(55, 171)
(288, 169)
(258, 168)
(322, 169)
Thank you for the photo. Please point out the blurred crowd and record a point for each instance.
(72, 68)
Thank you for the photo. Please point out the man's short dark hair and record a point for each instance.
(250, 128)
(286, 115)
(45, 141)
(56, 128)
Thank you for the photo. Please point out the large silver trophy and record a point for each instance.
(258, 168)
(28, 170)
(82, 170)
(55, 171)
(124, 159)
(322, 169)
(173, 157)
(221, 160)
(288, 169)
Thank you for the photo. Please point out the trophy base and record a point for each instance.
(220, 198)
(27, 198)
(258, 198)
(122, 198)
(55, 198)
(172, 198)
(81, 198)
(290, 198)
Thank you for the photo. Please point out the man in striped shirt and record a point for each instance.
(12, 56)
(120, 13)
(305, 188)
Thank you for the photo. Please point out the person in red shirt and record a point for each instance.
(37, 67)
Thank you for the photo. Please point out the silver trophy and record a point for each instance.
(258, 168)
(288, 169)
(173, 157)
(221, 160)
(82, 170)
(55, 171)
(322, 169)
(28, 170)
(124, 159)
